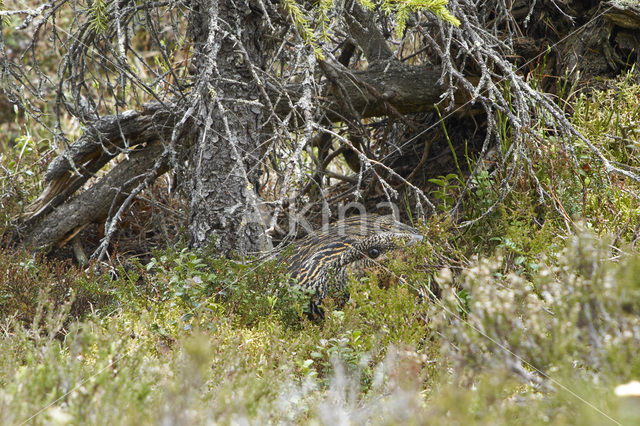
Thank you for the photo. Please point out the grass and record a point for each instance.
(536, 319)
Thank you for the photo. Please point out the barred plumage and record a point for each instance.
(321, 261)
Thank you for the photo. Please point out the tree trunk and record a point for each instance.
(226, 166)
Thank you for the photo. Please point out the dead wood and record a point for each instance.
(95, 203)
(102, 141)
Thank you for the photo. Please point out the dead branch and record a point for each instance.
(94, 204)
(104, 140)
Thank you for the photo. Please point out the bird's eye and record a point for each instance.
(373, 253)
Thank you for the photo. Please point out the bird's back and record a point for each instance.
(330, 252)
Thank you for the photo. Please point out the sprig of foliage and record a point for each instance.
(403, 8)
(4, 21)
(315, 26)
(305, 25)
(99, 16)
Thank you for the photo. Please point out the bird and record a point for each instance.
(322, 261)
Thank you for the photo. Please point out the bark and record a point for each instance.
(108, 137)
(95, 203)
(588, 40)
(381, 90)
(226, 158)
(624, 14)
(363, 29)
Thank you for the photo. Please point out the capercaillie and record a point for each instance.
(323, 260)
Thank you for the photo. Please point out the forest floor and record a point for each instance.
(536, 317)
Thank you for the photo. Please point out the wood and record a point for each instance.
(94, 149)
(94, 203)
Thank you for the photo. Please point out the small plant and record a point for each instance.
(448, 191)
(248, 292)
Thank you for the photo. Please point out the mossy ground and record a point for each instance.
(536, 317)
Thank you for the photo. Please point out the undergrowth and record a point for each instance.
(530, 316)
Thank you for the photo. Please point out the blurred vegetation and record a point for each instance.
(530, 315)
